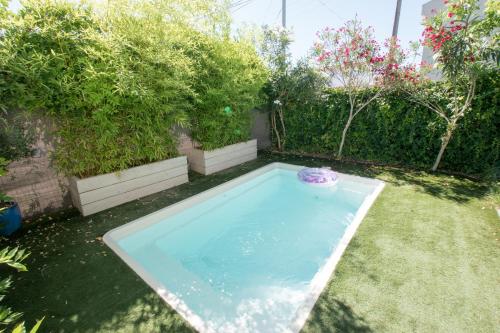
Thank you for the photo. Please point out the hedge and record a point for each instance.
(395, 130)
(120, 84)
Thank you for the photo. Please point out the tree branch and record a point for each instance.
(368, 102)
(468, 100)
(424, 101)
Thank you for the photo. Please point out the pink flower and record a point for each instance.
(450, 14)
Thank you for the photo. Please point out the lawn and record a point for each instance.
(425, 259)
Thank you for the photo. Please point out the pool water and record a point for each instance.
(245, 259)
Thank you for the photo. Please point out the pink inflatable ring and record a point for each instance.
(318, 176)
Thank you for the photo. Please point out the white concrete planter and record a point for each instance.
(94, 194)
(210, 161)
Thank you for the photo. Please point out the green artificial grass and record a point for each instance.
(425, 259)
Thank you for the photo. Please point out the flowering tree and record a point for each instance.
(464, 45)
(352, 58)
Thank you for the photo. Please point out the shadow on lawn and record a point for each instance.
(332, 315)
(441, 186)
(79, 285)
(128, 305)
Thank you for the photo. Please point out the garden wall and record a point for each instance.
(261, 129)
(396, 130)
(35, 184)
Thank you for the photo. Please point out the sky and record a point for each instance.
(306, 17)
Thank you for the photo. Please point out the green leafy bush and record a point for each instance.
(115, 90)
(120, 79)
(13, 258)
(228, 78)
(299, 88)
(397, 130)
(4, 9)
(15, 142)
(16, 136)
(3, 171)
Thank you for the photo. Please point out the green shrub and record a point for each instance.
(300, 87)
(16, 136)
(228, 78)
(115, 91)
(120, 82)
(12, 257)
(4, 10)
(397, 130)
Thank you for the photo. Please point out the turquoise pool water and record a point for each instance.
(245, 259)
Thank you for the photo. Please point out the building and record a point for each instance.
(429, 9)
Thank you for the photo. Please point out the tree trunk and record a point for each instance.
(445, 140)
(275, 129)
(282, 120)
(344, 133)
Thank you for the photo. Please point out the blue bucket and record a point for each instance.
(10, 219)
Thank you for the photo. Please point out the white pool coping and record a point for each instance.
(318, 283)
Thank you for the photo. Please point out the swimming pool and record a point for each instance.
(250, 255)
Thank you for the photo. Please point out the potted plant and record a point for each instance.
(228, 81)
(10, 214)
(232, 147)
(209, 161)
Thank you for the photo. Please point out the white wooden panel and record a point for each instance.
(229, 156)
(129, 185)
(116, 200)
(207, 162)
(228, 164)
(108, 179)
(228, 149)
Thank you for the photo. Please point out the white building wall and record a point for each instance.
(430, 9)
